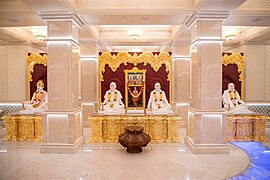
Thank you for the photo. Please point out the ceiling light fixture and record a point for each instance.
(135, 33)
(230, 33)
(40, 36)
(39, 32)
(230, 36)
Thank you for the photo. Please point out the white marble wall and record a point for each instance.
(4, 73)
(89, 81)
(257, 74)
(181, 80)
(13, 70)
(181, 87)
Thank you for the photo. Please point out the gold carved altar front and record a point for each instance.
(23, 127)
(246, 128)
(161, 128)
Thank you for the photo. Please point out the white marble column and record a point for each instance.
(206, 131)
(89, 81)
(62, 123)
(181, 80)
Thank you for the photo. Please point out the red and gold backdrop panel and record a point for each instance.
(157, 66)
(233, 71)
(37, 70)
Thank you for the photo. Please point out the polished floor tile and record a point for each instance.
(22, 160)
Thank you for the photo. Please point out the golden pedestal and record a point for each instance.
(246, 128)
(161, 128)
(23, 127)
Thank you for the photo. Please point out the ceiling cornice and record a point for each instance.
(206, 16)
(53, 16)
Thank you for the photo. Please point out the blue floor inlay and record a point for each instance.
(259, 167)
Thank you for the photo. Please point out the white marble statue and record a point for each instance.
(112, 100)
(158, 100)
(38, 102)
(232, 100)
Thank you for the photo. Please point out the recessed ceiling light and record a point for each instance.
(124, 19)
(145, 18)
(13, 20)
(256, 20)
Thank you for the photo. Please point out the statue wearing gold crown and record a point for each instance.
(38, 101)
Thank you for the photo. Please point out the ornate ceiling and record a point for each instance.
(165, 23)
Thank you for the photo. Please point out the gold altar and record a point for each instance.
(23, 127)
(161, 128)
(246, 128)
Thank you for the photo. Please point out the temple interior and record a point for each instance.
(154, 89)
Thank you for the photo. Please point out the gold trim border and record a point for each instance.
(32, 60)
(239, 60)
(114, 61)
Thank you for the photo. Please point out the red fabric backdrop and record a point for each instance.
(151, 78)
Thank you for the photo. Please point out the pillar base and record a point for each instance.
(62, 131)
(206, 148)
(55, 148)
(87, 109)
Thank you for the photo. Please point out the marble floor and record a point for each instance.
(22, 160)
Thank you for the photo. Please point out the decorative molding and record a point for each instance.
(206, 16)
(62, 17)
(71, 40)
(239, 60)
(32, 60)
(125, 30)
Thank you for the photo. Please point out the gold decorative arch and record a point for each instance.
(239, 60)
(155, 61)
(32, 60)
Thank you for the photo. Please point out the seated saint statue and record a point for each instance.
(231, 99)
(112, 99)
(158, 100)
(38, 101)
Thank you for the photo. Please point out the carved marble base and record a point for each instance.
(246, 128)
(134, 139)
(160, 128)
(23, 127)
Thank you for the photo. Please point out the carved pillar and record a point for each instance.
(89, 81)
(206, 132)
(62, 125)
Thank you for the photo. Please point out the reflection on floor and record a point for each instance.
(259, 155)
(22, 160)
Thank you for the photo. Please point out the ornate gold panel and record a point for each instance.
(160, 128)
(23, 128)
(246, 128)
